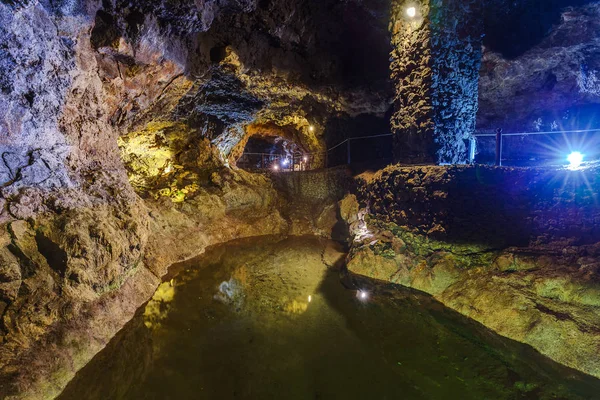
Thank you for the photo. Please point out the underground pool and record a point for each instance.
(279, 319)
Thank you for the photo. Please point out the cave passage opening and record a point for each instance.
(274, 153)
(278, 146)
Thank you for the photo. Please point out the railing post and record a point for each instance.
(349, 152)
(499, 147)
(472, 149)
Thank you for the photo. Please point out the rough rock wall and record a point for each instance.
(497, 207)
(435, 68)
(102, 104)
(550, 85)
(516, 250)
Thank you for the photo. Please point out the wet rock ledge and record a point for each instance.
(515, 249)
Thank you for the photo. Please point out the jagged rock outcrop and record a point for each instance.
(117, 125)
(435, 67)
(550, 85)
(530, 274)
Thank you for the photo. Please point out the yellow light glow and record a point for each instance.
(305, 158)
(309, 298)
(311, 128)
(411, 12)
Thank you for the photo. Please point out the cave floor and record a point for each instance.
(270, 319)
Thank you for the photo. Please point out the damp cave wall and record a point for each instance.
(496, 207)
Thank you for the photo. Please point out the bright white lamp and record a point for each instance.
(411, 12)
(575, 159)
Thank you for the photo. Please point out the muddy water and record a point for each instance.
(267, 319)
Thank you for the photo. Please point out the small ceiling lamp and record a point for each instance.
(411, 12)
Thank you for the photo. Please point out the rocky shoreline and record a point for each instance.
(545, 293)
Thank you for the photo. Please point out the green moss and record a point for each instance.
(420, 246)
(525, 387)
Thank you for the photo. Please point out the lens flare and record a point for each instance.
(575, 159)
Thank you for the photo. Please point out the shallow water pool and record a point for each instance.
(271, 319)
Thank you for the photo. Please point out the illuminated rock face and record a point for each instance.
(435, 68)
(119, 128)
(553, 84)
(515, 249)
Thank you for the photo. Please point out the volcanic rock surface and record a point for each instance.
(121, 124)
(540, 67)
(118, 125)
(520, 258)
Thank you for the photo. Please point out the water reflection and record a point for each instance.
(157, 308)
(269, 320)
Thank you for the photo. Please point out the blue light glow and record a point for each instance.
(575, 159)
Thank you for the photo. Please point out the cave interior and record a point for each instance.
(437, 161)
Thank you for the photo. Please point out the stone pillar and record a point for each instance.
(435, 64)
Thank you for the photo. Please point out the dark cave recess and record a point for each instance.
(513, 27)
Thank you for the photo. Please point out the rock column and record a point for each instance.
(435, 65)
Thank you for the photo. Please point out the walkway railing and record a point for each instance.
(277, 161)
(380, 149)
(532, 149)
(342, 153)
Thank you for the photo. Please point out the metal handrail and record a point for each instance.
(358, 138)
(499, 135)
(299, 155)
(534, 133)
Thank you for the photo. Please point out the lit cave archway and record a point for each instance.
(270, 147)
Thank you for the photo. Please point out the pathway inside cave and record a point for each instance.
(268, 319)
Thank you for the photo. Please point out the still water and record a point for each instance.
(276, 319)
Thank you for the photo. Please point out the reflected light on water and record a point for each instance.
(157, 308)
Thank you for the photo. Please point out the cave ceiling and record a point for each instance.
(218, 66)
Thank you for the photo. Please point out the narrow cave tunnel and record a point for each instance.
(275, 154)
(318, 190)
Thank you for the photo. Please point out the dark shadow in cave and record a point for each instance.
(514, 27)
(372, 151)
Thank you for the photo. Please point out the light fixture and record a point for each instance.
(411, 12)
(285, 162)
(309, 298)
(362, 295)
(575, 159)
(305, 159)
(275, 167)
(311, 128)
